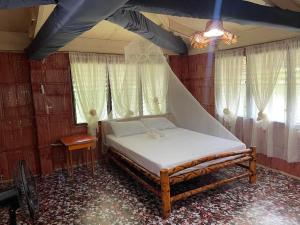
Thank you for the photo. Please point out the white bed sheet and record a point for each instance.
(178, 146)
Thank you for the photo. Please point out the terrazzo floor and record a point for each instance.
(111, 198)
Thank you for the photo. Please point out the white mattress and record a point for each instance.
(176, 147)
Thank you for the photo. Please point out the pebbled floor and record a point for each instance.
(111, 197)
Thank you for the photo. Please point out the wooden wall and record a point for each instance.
(53, 109)
(27, 128)
(196, 72)
(17, 124)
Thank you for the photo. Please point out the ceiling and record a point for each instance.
(14, 25)
(286, 4)
(106, 37)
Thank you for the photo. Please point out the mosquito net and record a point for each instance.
(176, 99)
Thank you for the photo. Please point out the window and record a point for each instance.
(270, 82)
(125, 88)
(276, 108)
(79, 115)
(282, 100)
(115, 89)
(89, 79)
(154, 88)
(230, 83)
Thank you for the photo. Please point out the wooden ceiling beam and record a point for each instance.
(286, 4)
(69, 19)
(139, 24)
(238, 11)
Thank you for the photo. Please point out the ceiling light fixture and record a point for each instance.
(214, 32)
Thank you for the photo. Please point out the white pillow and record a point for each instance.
(159, 123)
(127, 128)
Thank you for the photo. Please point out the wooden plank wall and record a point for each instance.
(58, 120)
(196, 72)
(17, 124)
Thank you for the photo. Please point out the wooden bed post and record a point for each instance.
(252, 166)
(165, 193)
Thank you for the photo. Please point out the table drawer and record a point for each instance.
(80, 146)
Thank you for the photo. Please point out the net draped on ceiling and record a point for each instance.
(187, 111)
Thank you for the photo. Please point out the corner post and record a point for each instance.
(252, 166)
(165, 193)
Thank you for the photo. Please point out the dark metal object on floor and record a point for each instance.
(23, 194)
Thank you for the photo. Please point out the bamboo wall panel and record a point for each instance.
(179, 66)
(196, 72)
(57, 120)
(17, 124)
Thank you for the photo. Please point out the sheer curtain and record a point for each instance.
(229, 69)
(154, 78)
(264, 63)
(124, 86)
(153, 74)
(270, 99)
(293, 117)
(90, 79)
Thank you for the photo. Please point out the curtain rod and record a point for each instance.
(101, 53)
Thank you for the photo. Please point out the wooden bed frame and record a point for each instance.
(169, 177)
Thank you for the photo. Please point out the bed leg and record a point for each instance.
(252, 166)
(165, 193)
(106, 156)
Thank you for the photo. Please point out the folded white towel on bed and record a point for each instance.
(154, 133)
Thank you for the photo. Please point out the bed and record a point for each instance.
(179, 155)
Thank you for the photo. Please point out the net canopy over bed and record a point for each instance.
(148, 62)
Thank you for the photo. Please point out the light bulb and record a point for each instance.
(213, 33)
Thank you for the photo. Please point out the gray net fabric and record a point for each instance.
(188, 112)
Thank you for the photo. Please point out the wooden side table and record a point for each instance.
(79, 142)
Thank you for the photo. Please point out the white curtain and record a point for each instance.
(293, 117)
(90, 79)
(154, 78)
(229, 69)
(270, 98)
(142, 59)
(264, 63)
(124, 86)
